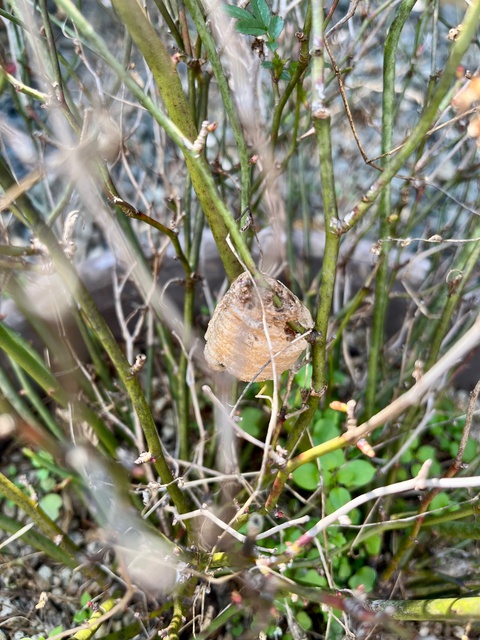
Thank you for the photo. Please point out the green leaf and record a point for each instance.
(373, 545)
(344, 570)
(426, 452)
(306, 476)
(470, 451)
(47, 484)
(356, 473)
(440, 500)
(364, 577)
(337, 498)
(312, 578)
(55, 631)
(336, 538)
(332, 460)
(51, 504)
(237, 12)
(261, 12)
(327, 427)
(252, 420)
(273, 46)
(250, 28)
(304, 620)
(26, 357)
(81, 616)
(275, 27)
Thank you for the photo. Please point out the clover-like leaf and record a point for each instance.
(306, 476)
(356, 473)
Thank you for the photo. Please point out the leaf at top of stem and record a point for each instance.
(275, 27)
(250, 28)
(261, 11)
(237, 12)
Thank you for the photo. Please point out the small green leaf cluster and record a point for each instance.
(258, 22)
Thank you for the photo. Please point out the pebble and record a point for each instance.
(65, 576)
(45, 573)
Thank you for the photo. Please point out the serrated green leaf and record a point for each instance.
(250, 28)
(306, 476)
(356, 473)
(261, 12)
(275, 27)
(273, 46)
(237, 12)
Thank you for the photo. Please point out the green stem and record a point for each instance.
(321, 121)
(227, 98)
(456, 610)
(45, 524)
(91, 630)
(459, 47)
(299, 71)
(181, 126)
(470, 263)
(68, 274)
(170, 23)
(385, 204)
(36, 402)
(38, 541)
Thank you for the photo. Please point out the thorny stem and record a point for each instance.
(321, 119)
(434, 609)
(467, 267)
(171, 25)
(227, 98)
(219, 217)
(459, 47)
(56, 80)
(385, 205)
(167, 79)
(299, 71)
(101, 328)
(176, 622)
